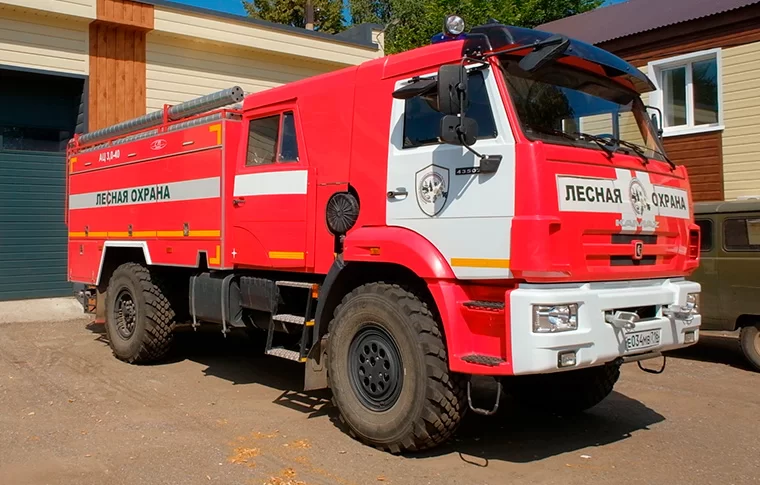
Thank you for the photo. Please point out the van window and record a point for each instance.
(742, 234)
(422, 122)
(706, 227)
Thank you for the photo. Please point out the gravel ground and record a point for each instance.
(215, 413)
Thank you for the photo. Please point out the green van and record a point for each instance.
(729, 271)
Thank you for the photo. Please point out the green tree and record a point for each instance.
(411, 23)
(328, 14)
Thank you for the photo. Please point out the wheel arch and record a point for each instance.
(116, 253)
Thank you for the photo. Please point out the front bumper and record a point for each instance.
(596, 341)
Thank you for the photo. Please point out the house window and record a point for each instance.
(689, 92)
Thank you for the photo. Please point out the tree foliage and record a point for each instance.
(328, 14)
(411, 23)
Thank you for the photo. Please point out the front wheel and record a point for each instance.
(750, 343)
(566, 393)
(388, 371)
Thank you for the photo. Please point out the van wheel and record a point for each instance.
(388, 371)
(750, 343)
(139, 318)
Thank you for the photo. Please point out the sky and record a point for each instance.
(236, 6)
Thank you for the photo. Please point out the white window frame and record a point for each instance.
(654, 70)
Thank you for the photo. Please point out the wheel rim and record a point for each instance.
(125, 313)
(375, 368)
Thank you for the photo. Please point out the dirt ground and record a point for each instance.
(216, 413)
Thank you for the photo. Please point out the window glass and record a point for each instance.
(289, 143)
(705, 82)
(674, 96)
(262, 141)
(422, 121)
(741, 234)
(705, 226)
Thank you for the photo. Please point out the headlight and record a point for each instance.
(453, 25)
(692, 303)
(555, 318)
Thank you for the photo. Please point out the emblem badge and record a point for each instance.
(159, 144)
(639, 200)
(432, 187)
(638, 250)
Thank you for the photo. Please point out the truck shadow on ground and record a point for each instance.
(717, 350)
(520, 436)
(512, 435)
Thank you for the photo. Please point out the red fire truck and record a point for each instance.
(497, 203)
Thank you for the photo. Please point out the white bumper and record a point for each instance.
(596, 341)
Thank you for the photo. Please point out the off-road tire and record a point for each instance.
(152, 336)
(431, 402)
(749, 342)
(566, 393)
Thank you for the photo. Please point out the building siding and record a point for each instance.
(74, 8)
(741, 116)
(38, 42)
(701, 155)
(244, 34)
(178, 70)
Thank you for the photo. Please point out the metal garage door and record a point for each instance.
(39, 112)
(32, 231)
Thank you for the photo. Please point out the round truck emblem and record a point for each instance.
(432, 185)
(159, 144)
(638, 196)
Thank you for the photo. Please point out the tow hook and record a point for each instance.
(649, 355)
(485, 412)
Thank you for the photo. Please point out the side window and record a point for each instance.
(742, 234)
(262, 141)
(706, 227)
(289, 143)
(272, 139)
(422, 121)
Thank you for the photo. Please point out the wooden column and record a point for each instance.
(117, 61)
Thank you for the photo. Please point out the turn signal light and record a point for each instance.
(693, 244)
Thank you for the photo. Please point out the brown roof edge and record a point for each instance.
(632, 17)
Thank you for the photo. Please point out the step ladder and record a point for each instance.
(306, 321)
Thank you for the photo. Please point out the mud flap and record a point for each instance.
(315, 371)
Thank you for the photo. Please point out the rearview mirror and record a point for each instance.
(458, 131)
(656, 120)
(544, 51)
(452, 89)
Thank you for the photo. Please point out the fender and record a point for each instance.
(123, 244)
(397, 245)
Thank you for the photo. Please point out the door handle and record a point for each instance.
(238, 201)
(400, 192)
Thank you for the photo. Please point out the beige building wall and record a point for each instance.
(42, 41)
(179, 70)
(741, 116)
(74, 8)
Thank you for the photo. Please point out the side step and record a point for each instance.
(480, 359)
(286, 354)
(485, 305)
(307, 321)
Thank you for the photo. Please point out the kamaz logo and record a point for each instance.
(638, 250)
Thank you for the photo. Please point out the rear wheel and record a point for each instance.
(567, 393)
(388, 371)
(139, 318)
(750, 343)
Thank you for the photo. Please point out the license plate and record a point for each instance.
(642, 340)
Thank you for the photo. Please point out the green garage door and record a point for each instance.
(39, 112)
(32, 229)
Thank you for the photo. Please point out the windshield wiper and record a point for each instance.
(639, 150)
(603, 143)
(551, 131)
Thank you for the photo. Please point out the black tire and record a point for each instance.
(428, 404)
(134, 286)
(566, 393)
(750, 343)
